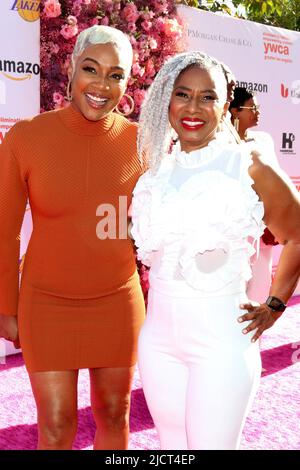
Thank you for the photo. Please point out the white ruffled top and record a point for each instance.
(196, 219)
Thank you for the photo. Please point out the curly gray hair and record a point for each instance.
(155, 132)
(100, 34)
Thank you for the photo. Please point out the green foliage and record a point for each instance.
(281, 13)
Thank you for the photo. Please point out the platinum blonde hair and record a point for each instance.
(155, 131)
(103, 35)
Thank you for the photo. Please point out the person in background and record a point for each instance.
(245, 114)
(80, 303)
(193, 213)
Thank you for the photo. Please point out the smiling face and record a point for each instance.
(99, 81)
(197, 105)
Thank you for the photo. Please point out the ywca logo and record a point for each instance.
(270, 47)
(28, 10)
(293, 92)
(287, 146)
(277, 47)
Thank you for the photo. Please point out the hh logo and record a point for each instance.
(287, 140)
(284, 91)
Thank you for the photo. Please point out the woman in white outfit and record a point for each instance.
(196, 214)
(245, 114)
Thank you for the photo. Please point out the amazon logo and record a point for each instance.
(18, 70)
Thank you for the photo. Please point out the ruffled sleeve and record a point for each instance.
(143, 231)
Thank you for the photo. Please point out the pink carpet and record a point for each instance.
(272, 424)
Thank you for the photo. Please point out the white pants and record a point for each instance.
(199, 372)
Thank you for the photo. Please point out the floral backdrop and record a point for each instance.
(154, 28)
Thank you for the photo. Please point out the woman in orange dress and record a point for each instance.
(80, 303)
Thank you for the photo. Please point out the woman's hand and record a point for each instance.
(261, 316)
(9, 329)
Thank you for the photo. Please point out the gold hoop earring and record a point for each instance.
(68, 96)
(132, 104)
(236, 123)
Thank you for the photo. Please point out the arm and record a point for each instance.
(282, 216)
(13, 197)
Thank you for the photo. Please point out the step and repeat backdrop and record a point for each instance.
(266, 60)
(19, 81)
(263, 58)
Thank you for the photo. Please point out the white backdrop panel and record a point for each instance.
(267, 59)
(19, 80)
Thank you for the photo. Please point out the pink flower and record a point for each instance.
(131, 27)
(159, 24)
(172, 28)
(117, 5)
(69, 31)
(54, 48)
(130, 13)
(161, 6)
(139, 96)
(58, 98)
(94, 21)
(157, 38)
(105, 21)
(108, 6)
(124, 105)
(153, 44)
(72, 20)
(131, 81)
(76, 7)
(147, 15)
(144, 278)
(137, 70)
(52, 8)
(150, 69)
(146, 25)
(136, 57)
(133, 41)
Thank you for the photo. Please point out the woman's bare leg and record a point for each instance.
(110, 399)
(55, 393)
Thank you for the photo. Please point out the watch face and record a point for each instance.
(276, 304)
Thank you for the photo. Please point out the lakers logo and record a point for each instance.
(28, 10)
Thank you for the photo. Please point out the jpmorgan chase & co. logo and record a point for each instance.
(28, 10)
(18, 70)
(287, 146)
(234, 41)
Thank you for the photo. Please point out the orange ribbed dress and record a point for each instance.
(80, 303)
